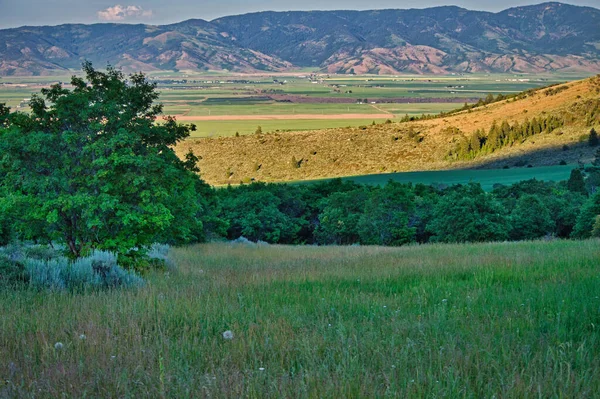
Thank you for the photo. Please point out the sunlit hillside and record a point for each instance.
(428, 144)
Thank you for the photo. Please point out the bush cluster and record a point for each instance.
(41, 267)
(345, 213)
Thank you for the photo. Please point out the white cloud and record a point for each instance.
(121, 13)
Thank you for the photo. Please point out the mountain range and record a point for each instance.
(538, 38)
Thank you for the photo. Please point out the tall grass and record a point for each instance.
(488, 320)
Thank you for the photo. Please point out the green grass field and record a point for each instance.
(486, 177)
(505, 320)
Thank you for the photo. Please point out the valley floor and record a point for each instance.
(487, 320)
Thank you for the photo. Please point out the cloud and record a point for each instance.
(121, 13)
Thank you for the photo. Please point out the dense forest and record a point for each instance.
(346, 213)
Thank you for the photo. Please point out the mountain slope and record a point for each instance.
(418, 145)
(194, 44)
(526, 39)
(544, 37)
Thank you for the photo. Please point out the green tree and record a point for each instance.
(339, 217)
(468, 214)
(254, 212)
(385, 220)
(564, 206)
(530, 219)
(576, 182)
(593, 140)
(91, 168)
(4, 113)
(596, 161)
(587, 217)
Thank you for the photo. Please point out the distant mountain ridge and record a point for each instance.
(538, 38)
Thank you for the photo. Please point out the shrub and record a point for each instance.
(12, 261)
(41, 252)
(521, 163)
(159, 256)
(97, 271)
(12, 271)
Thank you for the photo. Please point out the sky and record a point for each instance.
(14, 13)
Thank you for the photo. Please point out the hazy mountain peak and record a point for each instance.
(542, 37)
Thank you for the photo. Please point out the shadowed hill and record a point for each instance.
(550, 118)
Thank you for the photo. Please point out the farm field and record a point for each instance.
(486, 177)
(479, 320)
(295, 97)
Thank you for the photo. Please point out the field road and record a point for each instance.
(184, 118)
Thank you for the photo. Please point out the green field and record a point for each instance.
(486, 177)
(505, 320)
(220, 94)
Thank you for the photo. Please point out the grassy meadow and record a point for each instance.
(485, 320)
(486, 177)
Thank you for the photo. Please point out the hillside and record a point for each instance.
(544, 37)
(191, 45)
(565, 113)
(549, 36)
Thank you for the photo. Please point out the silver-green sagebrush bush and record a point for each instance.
(159, 256)
(43, 268)
(97, 271)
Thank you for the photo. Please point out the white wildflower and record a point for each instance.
(82, 337)
(228, 335)
(58, 346)
(261, 368)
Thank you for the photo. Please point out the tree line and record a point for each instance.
(503, 135)
(345, 213)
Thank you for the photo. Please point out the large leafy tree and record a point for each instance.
(587, 218)
(339, 217)
(385, 220)
(531, 219)
(90, 167)
(468, 214)
(253, 212)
